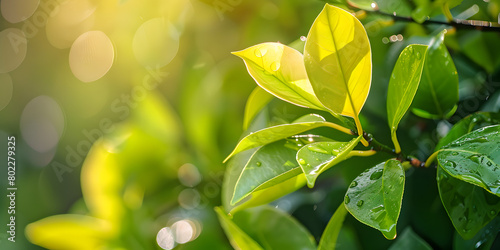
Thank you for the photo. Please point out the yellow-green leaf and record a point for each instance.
(69, 231)
(280, 70)
(337, 58)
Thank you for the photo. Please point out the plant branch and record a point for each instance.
(457, 23)
(380, 147)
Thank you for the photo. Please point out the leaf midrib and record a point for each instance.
(346, 85)
(312, 105)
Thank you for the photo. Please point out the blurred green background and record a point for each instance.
(123, 111)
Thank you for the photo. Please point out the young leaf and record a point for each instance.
(403, 86)
(437, 95)
(338, 61)
(469, 207)
(317, 157)
(257, 100)
(272, 134)
(474, 158)
(467, 124)
(274, 229)
(374, 197)
(237, 237)
(270, 165)
(329, 238)
(280, 70)
(409, 240)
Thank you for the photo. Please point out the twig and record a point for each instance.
(457, 23)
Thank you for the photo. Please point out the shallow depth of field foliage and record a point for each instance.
(213, 124)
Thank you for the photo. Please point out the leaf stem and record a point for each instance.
(360, 131)
(396, 143)
(431, 159)
(339, 128)
(363, 153)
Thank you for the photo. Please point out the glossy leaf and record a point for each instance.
(483, 240)
(437, 94)
(409, 240)
(403, 85)
(337, 58)
(374, 197)
(234, 170)
(280, 70)
(270, 165)
(317, 157)
(237, 237)
(468, 124)
(329, 237)
(274, 229)
(474, 158)
(275, 133)
(257, 100)
(469, 207)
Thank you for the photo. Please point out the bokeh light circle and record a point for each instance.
(6, 90)
(67, 22)
(189, 175)
(15, 11)
(42, 123)
(13, 47)
(156, 42)
(91, 56)
(165, 238)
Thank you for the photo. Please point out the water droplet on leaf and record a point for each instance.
(260, 52)
(353, 184)
(347, 199)
(317, 149)
(360, 203)
(258, 164)
(302, 162)
(419, 56)
(275, 66)
(376, 175)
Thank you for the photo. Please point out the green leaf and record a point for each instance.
(474, 158)
(409, 240)
(270, 165)
(468, 124)
(482, 240)
(234, 170)
(403, 85)
(280, 70)
(275, 133)
(317, 157)
(257, 100)
(237, 237)
(374, 197)
(274, 229)
(332, 230)
(481, 48)
(338, 61)
(437, 95)
(469, 207)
